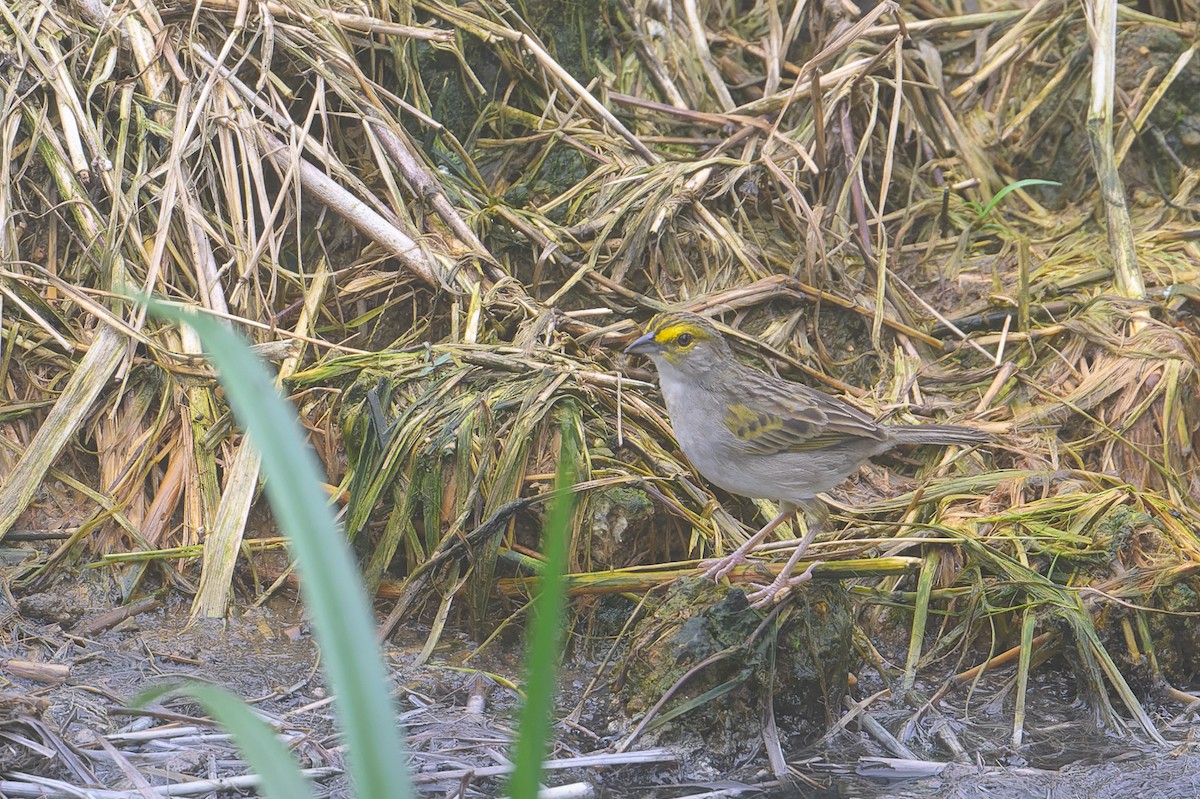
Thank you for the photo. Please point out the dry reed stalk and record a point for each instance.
(1102, 31)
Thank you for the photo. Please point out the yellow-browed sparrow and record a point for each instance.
(759, 436)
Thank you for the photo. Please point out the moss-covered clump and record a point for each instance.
(722, 663)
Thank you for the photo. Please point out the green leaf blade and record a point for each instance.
(330, 584)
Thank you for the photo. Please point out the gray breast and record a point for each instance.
(698, 420)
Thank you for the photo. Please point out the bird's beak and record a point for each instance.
(646, 345)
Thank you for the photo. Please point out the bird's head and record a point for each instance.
(685, 341)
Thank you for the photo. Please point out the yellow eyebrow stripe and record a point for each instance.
(672, 332)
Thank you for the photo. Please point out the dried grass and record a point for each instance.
(446, 231)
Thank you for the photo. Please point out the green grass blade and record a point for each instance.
(1011, 187)
(332, 589)
(266, 754)
(920, 617)
(546, 626)
(1028, 625)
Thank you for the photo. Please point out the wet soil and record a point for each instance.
(459, 718)
(1063, 756)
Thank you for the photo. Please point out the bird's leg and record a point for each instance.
(784, 581)
(721, 568)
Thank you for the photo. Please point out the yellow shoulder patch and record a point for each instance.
(748, 424)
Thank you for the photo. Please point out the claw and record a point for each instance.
(718, 570)
(781, 587)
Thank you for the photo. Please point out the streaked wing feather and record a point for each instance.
(777, 417)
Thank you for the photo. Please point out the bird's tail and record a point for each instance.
(940, 434)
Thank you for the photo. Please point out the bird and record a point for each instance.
(763, 437)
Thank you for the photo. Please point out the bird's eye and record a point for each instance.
(684, 339)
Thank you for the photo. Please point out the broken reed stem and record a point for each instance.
(1102, 31)
(619, 581)
(354, 22)
(357, 213)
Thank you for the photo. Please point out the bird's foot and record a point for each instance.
(717, 570)
(781, 587)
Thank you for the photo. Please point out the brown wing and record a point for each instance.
(774, 416)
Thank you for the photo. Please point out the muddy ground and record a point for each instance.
(83, 732)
